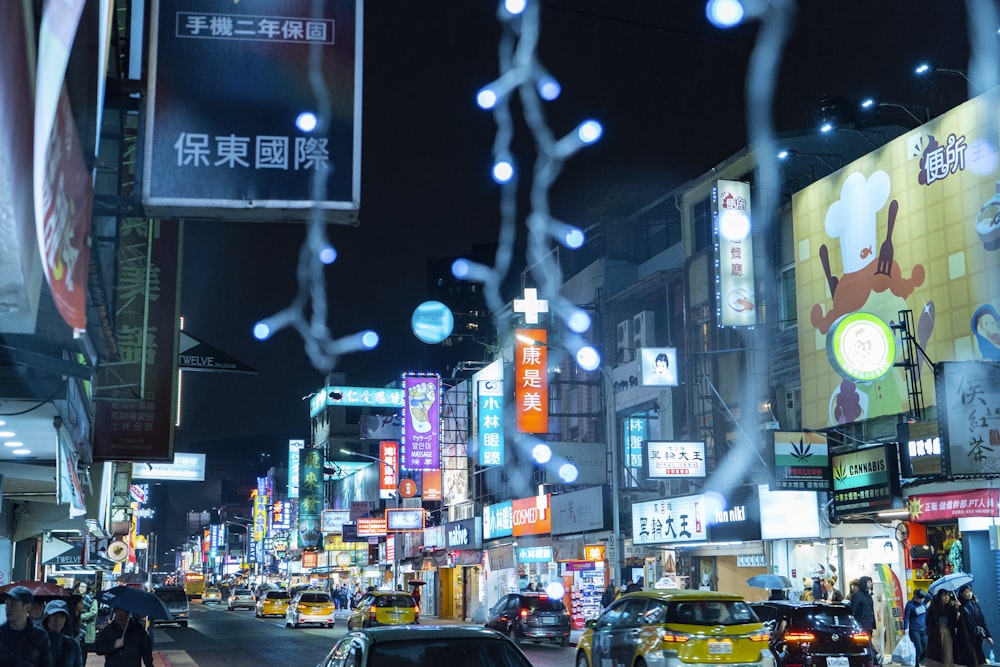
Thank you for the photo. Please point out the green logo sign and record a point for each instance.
(861, 347)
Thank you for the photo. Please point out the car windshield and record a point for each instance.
(277, 595)
(169, 595)
(544, 604)
(314, 597)
(710, 612)
(394, 601)
(456, 651)
(243, 591)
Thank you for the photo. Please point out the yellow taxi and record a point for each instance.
(211, 594)
(384, 608)
(675, 628)
(272, 603)
(310, 607)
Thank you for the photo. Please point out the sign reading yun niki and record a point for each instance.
(490, 404)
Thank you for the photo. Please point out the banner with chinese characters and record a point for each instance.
(801, 461)
(735, 290)
(490, 414)
(310, 497)
(666, 460)
(421, 448)
(388, 477)
(531, 391)
(930, 507)
(636, 433)
(968, 393)
(669, 521)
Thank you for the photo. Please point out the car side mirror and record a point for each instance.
(591, 623)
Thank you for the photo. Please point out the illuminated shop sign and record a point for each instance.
(861, 347)
(531, 391)
(735, 293)
(801, 461)
(490, 402)
(421, 428)
(666, 460)
(865, 480)
(498, 520)
(531, 516)
(669, 521)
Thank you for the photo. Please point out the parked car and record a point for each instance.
(425, 646)
(815, 633)
(310, 607)
(675, 628)
(384, 608)
(530, 616)
(272, 603)
(176, 601)
(241, 598)
(211, 594)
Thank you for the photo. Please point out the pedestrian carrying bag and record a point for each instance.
(905, 652)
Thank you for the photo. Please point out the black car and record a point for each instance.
(531, 616)
(816, 634)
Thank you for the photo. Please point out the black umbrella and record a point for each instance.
(774, 582)
(136, 601)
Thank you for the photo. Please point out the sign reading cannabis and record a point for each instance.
(801, 461)
(865, 480)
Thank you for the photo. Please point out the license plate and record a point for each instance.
(548, 620)
(837, 662)
(723, 648)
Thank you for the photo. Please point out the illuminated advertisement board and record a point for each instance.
(667, 460)
(531, 516)
(406, 519)
(912, 226)
(865, 481)
(669, 521)
(801, 461)
(190, 467)
(490, 413)
(294, 447)
(498, 520)
(421, 448)
(355, 397)
(968, 393)
(371, 526)
(531, 389)
(388, 477)
(658, 366)
(310, 497)
(735, 289)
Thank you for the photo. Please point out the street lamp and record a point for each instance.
(395, 481)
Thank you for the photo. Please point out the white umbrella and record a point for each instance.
(950, 582)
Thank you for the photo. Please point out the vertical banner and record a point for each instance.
(294, 447)
(421, 428)
(431, 483)
(136, 395)
(531, 391)
(636, 433)
(735, 300)
(388, 478)
(490, 412)
(310, 498)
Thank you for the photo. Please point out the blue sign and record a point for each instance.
(491, 423)
(432, 322)
(498, 520)
(534, 554)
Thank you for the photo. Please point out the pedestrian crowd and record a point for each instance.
(60, 632)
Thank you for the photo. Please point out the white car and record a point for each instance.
(242, 598)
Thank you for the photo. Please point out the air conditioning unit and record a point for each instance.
(625, 343)
(643, 330)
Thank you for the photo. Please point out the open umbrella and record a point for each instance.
(772, 582)
(950, 582)
(136, 601)
(40, 589)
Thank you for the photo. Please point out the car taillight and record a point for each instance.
(672, 637)
(371, 614)
(416, 614)
(760, 636)
(799, 637)
(861, 637)
(525, 613)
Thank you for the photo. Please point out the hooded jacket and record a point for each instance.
(138, 648)
(862, 605)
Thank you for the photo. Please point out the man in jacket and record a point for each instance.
(124, 641)
(862, 605)
(21, 643)
(915, 623)
(88, 619)
(65, 649)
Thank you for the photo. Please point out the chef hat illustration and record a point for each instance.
(852, 218)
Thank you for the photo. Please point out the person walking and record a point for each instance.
(21, 643)
(830, 591)
(632, 587)
(915, 624)
(942, 619)
(124, 642)
(971, 631)
(63, 645)
(862, 605)
(610, 593)
(88, 619)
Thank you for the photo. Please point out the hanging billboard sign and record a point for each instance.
(669, 521)
(865, 480)
(968, 393)
(388, 477)
(673, 460)
(490, 413)
(421, 447)
(735, 298)
(220, 147)
(920, 450)
(531, 389)
(801, 461)
(658, 366)
(498, 520)
(310, 497)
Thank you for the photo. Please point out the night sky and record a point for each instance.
(667, 87)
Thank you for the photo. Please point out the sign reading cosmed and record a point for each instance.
(531, 391)
(735, 288)
(531, 516)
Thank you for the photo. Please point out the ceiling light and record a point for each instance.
(7, 434)
(13, 443)
(21, 452)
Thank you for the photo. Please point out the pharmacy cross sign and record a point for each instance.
(531, 305)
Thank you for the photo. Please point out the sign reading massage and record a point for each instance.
(865, 480)
(914, 225)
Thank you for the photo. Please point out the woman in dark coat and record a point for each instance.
(863, 607)
(971, 631)
(942, 619)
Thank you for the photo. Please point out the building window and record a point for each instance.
(792, 419)
(701, 223)
(789, 304)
